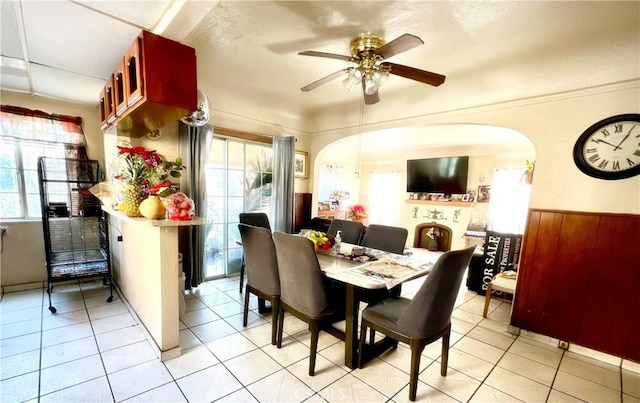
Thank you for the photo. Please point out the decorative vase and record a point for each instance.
(132, 197)
(433, 244)
(152, 208)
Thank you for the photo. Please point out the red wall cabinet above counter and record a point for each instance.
(153, 84)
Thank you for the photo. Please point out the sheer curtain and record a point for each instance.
(509, 201)
(383, 197)
(194, 184)
(282, 186)
(26, 124)
(330, 180)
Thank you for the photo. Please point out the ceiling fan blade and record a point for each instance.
(370, 99)
(411, 73)
(324, 80)
(324, 54)
(399, 45)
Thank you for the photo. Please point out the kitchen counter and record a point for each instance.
(144, 259)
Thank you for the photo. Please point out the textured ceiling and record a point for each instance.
(249, 67)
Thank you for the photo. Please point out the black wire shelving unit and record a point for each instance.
(75, 227)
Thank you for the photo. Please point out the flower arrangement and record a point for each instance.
(143, 172)
(357, 212)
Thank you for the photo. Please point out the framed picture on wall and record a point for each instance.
(484, 194)
(301, 165)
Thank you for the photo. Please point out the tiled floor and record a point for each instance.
(94, 351)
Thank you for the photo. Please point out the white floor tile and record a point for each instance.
(66, 306)
(20, 315)
(601, 373)
(515, 385)
(66, 333)
(139, 379)
(501, 340)
(228, 309)
(479, 349)
(209, 384)
(631, 366)
(19, 344)
(168, 393)
(119, 338)
(128, 356)
(468, 364)
(292, 351)
(192, 360)
(242, 396)
(20, 388)
(456, 384)
(230, 346)
(69, 351)
(259, 335)
(528, 368)
(536, 353)
(401, 358)
(326, 373)
(188, 339)
(252, 366)
(280, 387)
(555, 396)
(95, 390)
(20, 328)
(19, 364)
(351, 389)
(252, 320)
(199, 317)
(584, 389)
(56, 320)
(112, 323)
(486, 393)
(631, 383)
(424, 393)
(597, 355)
(71, 373)
(383, 377)
(212, 330)
(103, 311)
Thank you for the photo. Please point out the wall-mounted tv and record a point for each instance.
(438, 175)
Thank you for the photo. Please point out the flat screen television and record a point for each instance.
(438, 175)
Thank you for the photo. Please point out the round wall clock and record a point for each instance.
(610, 148)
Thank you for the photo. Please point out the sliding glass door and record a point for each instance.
(238, 180)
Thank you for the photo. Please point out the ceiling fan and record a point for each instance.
(368, 52)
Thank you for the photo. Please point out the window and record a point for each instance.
(19, 189)
(383, 196)
(25, 135)
(238, 180)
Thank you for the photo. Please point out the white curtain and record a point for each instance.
(383, 197)
(330, 180)
(282, 185)
(509, 201)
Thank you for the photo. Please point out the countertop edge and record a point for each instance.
(146, 222)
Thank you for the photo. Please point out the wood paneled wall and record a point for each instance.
(579, 280)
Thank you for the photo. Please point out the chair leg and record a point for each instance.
(487, 299)
(275, 314)
(363, 334)
(372, 336)
(241, 273)
(313, 349)
(444, 360)
(246, 306)
(280, 327)
(416, 352)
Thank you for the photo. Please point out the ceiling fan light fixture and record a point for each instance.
(370, 85)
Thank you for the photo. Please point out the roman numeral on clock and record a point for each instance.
(616, 165)
(603, 164)
(631, 163)
(594, 158)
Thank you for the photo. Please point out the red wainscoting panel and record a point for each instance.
(579, 280)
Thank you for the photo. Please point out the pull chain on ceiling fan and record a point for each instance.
(368, 53)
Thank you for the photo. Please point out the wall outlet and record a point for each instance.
(119, 238)
(3, 230)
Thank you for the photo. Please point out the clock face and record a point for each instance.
(610, 149)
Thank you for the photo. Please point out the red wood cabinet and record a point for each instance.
(579, 280)
(153, 84)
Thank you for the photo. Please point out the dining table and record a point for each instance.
(371, 271)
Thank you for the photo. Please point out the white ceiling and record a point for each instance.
(490, 51)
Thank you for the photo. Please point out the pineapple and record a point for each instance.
(135, 172)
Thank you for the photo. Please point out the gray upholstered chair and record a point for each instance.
(305, 292)
(262, 271)
(351, 230)
(255, 220)
(423, 319)
(383, 237)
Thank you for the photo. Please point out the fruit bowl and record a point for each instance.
(179, 207)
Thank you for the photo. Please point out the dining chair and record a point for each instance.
(351, 230)
(256, 220)
(423, 319)
(305, 292)
(386, 238)
(262, 271)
